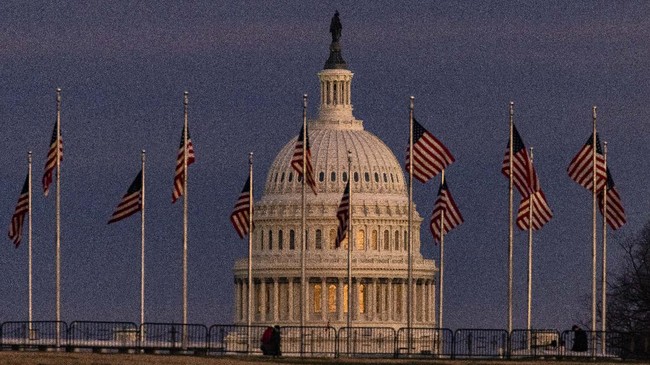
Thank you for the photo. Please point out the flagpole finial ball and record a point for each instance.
(58, 89)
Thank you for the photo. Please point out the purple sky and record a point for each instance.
(123, 68)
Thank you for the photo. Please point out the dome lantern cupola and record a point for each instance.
(335, 80)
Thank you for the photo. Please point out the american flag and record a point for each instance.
(430, 156)
(343, 215)
(239, 215)
(615, 212)
(180, 173)
(22, 207)
(50, 164)
(131, 201)
(296, 160)
(524, 176)
(541, 214)
(444, 205)
(581, 167)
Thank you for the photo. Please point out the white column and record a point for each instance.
(339, 300)
(403, 299)
(390, 309)
(262, 299)
(423, 301)
(290, 298)
(276, 300)
(323, 299)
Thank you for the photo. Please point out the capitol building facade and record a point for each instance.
(379, 253)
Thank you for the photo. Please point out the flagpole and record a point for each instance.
(349, 318)
(303, 224)
(142, 243)
(531, 206)
(58, 216)
(29, 239)
(603, 320)
(594, 224)
(442, 259)
(409, 291)
(250, 248)
(185, 173)
(510, 224)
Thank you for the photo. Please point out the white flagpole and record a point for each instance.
(142, 242)
(442, 260)
(250, 249)
(409, 290)
(603, 320)
(510, 224)
(594, 224)
(185, 173)
(29, 239)
(58, 216)
(531, 206)
(349, 322)
(303, 224)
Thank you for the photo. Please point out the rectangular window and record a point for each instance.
(280, 239)
(317, 290)
(292, 240)
(270, 240)
(319, 239)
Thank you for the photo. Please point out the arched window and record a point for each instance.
(333, 176)
(317, 298)
(376, 177)
(321, 176)
(345, 176)
(356, 176)
(261, 240)
(276, 177)
(319, 239)
(406, 240)
(290, 178)
(396, 240)
(362, 298)
(360, 239)
(270, 240)
(391, 178)
(366, 176)
(374, 245)
(386, 240)
(385, 178)
(282, 177)
(292, 239)
(331, 298)
(280, 239)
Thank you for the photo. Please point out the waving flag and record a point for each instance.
(581, 167)
(180, 172)
(131, 201)
(430, 156)
(542, 213)
(239, 216)
(343, 215)
(296, 160)
(18, 218)
(524, 176)
(615, 212)
(50, 164)
(444, 205)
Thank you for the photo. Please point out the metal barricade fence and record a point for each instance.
(173, 337)
(535, 343)
(33, 334)
(598, 344)
(234, 339)
(316, 341)
(486, 343)
(87, 334)
(426, 342)
(632, 345)
(367, 341)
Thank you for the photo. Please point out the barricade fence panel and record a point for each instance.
(103, 334)
(535, 343)
(367, 341)
(309, 341)
(33, 334)
(425, 342)
(485, 343)
(234, 339)
(174, 336)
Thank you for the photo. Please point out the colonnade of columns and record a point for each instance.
(335, 91)
(277, 300)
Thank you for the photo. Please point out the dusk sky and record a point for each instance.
(123, 67)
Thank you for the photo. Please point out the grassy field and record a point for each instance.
(64, 358)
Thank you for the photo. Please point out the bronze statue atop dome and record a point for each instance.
(335, 27)
(335, 60)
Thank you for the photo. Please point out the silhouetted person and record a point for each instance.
(276, 339)
(266, 340)
(579, 339)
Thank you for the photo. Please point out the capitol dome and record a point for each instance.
(379, 209)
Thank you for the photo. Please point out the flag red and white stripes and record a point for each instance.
(131, 202)
(615, 212)
(581, 167)
(50, 164)
(240, 214)
(180, 172)
(18, 218)
(430, 156)
(296, 160)
(542, 213)
(524, 176)
(343, 215)
(444, 205)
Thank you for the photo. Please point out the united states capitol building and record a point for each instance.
(379, 223)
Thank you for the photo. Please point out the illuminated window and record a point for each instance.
(319, 239)
(317, 289)
(345, 298)
(292, 240)
(331, 298)
(373, 240)
(362, 298)
(360, 240)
